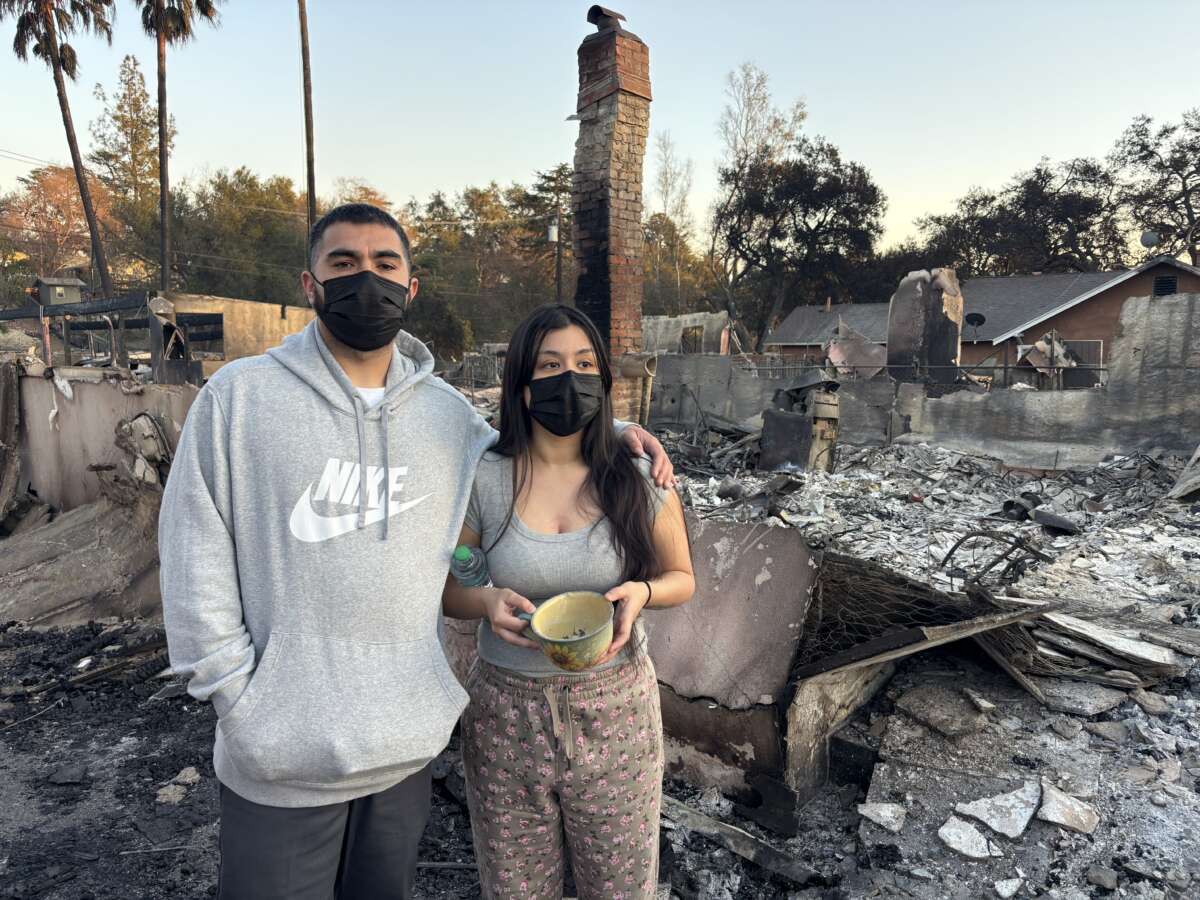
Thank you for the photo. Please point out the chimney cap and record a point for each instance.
(604, 18)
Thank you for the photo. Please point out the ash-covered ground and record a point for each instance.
(107, 792)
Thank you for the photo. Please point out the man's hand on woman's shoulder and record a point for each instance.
(642, 443)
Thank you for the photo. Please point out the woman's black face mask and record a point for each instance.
(564, 404)
(364, 310)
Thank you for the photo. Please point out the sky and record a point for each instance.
(932, 97)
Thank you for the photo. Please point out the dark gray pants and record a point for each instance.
(365, 848)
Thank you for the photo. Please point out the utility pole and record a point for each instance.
(308, 117)
(558, 254)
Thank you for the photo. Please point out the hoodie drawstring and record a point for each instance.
(362, 462)
(387, 475)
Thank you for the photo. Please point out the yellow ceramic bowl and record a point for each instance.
(575, 629)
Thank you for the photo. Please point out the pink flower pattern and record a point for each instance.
(601, 805)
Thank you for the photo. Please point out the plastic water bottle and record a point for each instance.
(469, 567)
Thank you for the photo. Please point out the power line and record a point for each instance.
(26, 158)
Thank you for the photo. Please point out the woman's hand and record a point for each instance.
(502, 606)
(630, 598)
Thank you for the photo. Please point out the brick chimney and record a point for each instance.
(613, 109)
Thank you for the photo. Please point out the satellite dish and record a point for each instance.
(1150, 238)
(975, 320)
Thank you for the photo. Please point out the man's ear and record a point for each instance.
(413, 286)
(308, 284)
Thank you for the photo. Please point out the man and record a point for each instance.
(306, 530)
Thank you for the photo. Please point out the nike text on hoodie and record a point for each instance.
(304, 542)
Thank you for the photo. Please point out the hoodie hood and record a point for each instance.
(308, 357)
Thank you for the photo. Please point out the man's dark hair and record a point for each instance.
(357, 214)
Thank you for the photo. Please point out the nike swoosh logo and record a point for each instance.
(311, 527)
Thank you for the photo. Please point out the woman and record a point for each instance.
(559, 506)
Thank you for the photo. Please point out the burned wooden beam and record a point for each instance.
(740, 842)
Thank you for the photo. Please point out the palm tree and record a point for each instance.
(42, 26)
(169, 22)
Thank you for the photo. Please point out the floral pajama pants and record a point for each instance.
(578, 757)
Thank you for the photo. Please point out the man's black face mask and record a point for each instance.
(564, 404)
(363, 310)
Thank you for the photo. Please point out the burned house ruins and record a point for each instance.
(947, 618)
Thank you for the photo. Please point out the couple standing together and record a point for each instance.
(315, 499)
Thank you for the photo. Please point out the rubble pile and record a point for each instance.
(995, 792)
(920, 537)
(107, 789)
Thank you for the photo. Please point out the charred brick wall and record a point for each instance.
(614, 120)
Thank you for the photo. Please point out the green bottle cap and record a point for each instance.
(462, 553)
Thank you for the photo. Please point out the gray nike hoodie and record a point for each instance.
(305, 607)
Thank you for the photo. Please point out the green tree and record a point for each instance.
(670, 287)
(1053, 218)
(169, 22)
(125, 137)
(876, 278)
(1162, 190)
(435, 321)
(799, 224)
(753, 131)
(241, 236)
(125, 155)
(675, 276)
(42, 26)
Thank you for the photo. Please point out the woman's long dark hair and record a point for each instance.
(613, 481)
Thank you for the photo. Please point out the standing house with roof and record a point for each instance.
(1083, 308)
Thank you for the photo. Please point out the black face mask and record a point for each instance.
(564, 404)
(363, 310)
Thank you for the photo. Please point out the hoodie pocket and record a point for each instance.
(322, 711)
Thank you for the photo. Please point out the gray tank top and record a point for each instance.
(538, 565)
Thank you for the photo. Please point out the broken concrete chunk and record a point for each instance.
(1007, 814)
(72, 773)
(171, 691)
(963, 837)
(187, 776)
(172, 794)
(1139, 774)
(1079, 698)
(1153, 704)
(1063, 809)
(1066, 727)
(730, 488)
(1117, 732)
(941, 708)
(886, 815)
(1102, 877)
(1008, 887)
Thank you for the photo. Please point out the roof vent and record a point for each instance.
(1164, 285)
